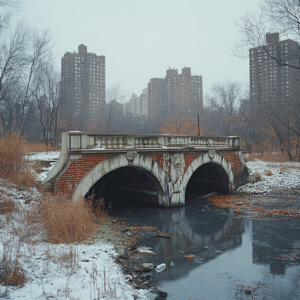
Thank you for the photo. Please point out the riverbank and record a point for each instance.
(82, 270)
(95, 268)
(277, 178)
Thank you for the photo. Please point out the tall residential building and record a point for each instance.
(143, 103)
(138, 105)
(83, 86)
(270, 83)
(157, 98)
(182, 92)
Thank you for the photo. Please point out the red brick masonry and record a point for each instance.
(76, 170)
(158, 158)
(235, 162)
(80, 167)
(232, 158)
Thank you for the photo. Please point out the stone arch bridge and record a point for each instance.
(168, 161)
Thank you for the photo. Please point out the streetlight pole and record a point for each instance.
(198, 125)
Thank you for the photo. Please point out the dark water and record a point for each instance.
(236, 257)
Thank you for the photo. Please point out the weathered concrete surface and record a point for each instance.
(171, 160)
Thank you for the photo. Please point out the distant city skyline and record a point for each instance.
(141, 41)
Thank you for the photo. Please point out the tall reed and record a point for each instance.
(13, 166)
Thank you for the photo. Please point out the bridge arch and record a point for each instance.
(217, 161)
(141, 162)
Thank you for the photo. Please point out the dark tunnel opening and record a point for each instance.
(208, 178)
(127, 186)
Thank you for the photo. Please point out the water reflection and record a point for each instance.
(276, 244)
(206, 235)
(196, 229)
(232, 252)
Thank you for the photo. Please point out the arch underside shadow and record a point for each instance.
(209, 177)
(209, 174)
(121, 176)
(127, 185)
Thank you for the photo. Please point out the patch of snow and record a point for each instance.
(58, 271)
(284, 175)
(51, 155)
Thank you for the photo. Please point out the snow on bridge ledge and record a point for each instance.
(170, 159)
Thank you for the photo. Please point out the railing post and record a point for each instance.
(78, 140)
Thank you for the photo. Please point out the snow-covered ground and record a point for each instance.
(275, 177)
(88, 271)
(48, 156)
(57, 271)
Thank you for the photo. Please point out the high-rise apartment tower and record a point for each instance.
(83, 87)
(272, 81)
(138, 105)
(182, 92)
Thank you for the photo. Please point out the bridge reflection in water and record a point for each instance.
(195, 229)
(232, 252)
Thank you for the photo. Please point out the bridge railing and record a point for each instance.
(82, 140)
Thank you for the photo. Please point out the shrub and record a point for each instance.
(13, 166)
(65, 220)
(12, 274)
(6, 205)
(257, 177)
(98, 208)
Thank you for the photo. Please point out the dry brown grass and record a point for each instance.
(7, 205)
(272, 157)
(13, 166)
(268, 173)
(286, 168)
(98, 208)
(257, 177)
(65, 220)
(29, 147)
(12, 274)
(37, 168)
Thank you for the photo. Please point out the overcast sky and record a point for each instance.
(141, 39)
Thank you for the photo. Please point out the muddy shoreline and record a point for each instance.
(134, 258)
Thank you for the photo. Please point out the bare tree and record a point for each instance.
(114, 109)
(6, 10)
(21, 59)
(13, 61)
(180, 122)
(225, 101)
(46, 95)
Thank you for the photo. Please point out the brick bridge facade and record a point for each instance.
(168, 160)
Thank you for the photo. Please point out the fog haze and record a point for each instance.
(142, 39)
